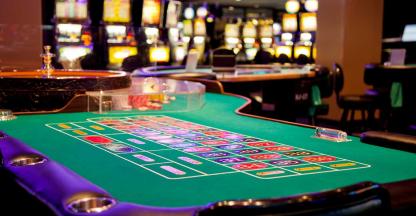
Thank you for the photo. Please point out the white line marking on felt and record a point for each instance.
(151, 118)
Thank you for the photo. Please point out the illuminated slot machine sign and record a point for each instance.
(151, 13)
(266, 37)
(232, 34)
(290, 22)
(249, 39)
(71, 9)
(120, 35)
(72, 32)
(200, 33)
(159, 54)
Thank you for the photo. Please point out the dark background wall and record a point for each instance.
(397, 13)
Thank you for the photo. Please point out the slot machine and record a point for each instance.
(120, 37)
(232, 37)
(303, 50)
(266, 36)
(72, 32)
(249, 40)
(178, 51)
(200, 32)
(284, 49)
(159, 52)
(151, 14)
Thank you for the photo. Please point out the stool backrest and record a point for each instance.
(338, 79)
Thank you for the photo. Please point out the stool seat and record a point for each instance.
(357, 101)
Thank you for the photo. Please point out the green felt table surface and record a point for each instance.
(131, 183)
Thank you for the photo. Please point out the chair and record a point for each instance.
(364, 198)
(322, 87)
(263, 57)
(351, 103)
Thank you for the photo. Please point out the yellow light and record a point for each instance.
(287, 50)
(199, 40)
(287, 36)
(232, 30)
(71, 53)
(290, 22)
(311, 5)
(249, 30)
(308, 22)
(159, 54)
(210, 19)
(180, 53)
(116, 11)
(305, 36)
(200, 27)
(151, 12)
(118, 53)
(187, 27)
(292, 6)
(202, 12)
(302, 50)
(189, 13)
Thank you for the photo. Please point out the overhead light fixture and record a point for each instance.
(189, 13)
(311, 5)
(292, 6)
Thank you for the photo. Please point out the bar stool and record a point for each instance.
(367, 104)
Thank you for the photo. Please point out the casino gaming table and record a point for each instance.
(179, 162)
(294, 82)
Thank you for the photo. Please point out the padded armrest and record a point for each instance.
(390, 140)
(402, 196)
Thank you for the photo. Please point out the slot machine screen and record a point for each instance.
(159, 54)
(286, 50)
(187, 28)
(117, 54)
(69, 32)
(249, 31)
(266, 31)
(173, 13)
(290, 23)
(151, 12)
(117, 11)
(72, 9)
(232, 30)
(200, 27)
(71, 53)
(116, 33)
(308, 22)
(302, 50)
